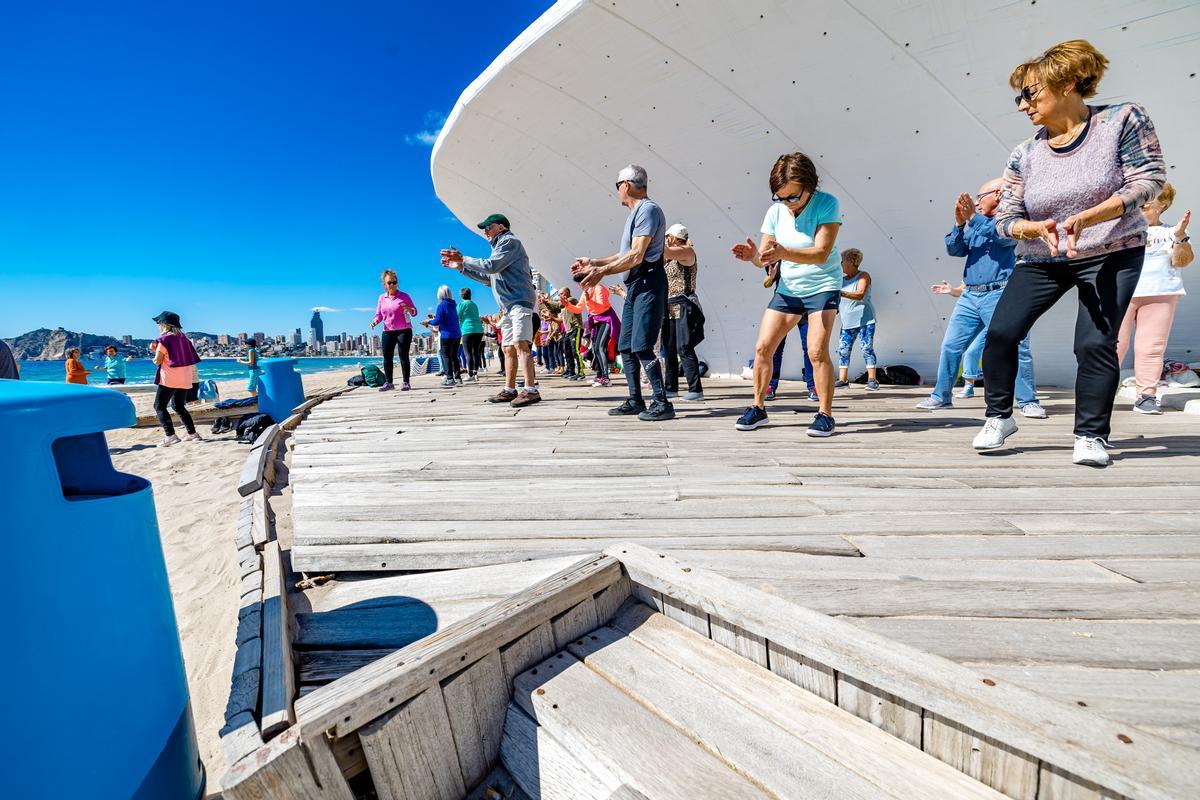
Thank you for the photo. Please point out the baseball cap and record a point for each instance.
(678, 231)
(492, 220)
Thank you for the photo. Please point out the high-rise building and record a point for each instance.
(223, 339)
(242, 337)
(127, 340)
(296, 338)
(260, 337)
(376, 345)
(317, 327)
(312, 339)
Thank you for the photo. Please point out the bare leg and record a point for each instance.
(820, 326)
(774, 327)
(525, 353)
(510, 365)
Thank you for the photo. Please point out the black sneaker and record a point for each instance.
(658, 412)
(770, 394)
(754, 417)
(822, 425)
(627, 409)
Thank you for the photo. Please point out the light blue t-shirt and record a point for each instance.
(855, 313)
(802, 280)
(114, 367)
(646, 219)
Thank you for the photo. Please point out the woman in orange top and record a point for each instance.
(603, 325)
(76, 373)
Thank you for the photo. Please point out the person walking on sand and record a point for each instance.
(507, 271)
(1072, 197)
(445, 323)
(471, 326)
(640, 257)
(176, 360)
(114, 366)
(76, 372)
(393, 309)
(1158, 290)
(251, 362)
(799, 231)
(857, 314)
(990, 260)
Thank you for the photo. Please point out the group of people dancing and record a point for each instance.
(1079, 205)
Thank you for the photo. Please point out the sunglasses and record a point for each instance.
(1027, 94)
(618, 186)
(796, 198)
(391, 283)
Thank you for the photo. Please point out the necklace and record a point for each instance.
(1066, 138)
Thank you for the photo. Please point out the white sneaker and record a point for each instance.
(1089, 451)
(167, 441)
(1033, 411)
(995, 431)
(193, 437)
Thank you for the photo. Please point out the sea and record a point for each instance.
(141, 370)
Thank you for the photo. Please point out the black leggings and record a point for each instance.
(474, 344)
(391, 339)
(1105, 285)
(449, 354)
(600, 335)
(178, 399)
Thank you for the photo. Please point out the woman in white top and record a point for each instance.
(1153, 306)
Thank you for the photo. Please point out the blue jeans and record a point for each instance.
(971, 318)
(846, 344)
(972, 366)
(777, 359)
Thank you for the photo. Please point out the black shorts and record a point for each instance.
(645, 308)
(809, 304)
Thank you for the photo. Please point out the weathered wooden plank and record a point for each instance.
(686, 614)
(1040, 546)
(278, 679)
(322, 666)
(240, 737)
(362, 696)
(803, 671)
(282, 770)
(1068, 737)
(582, 710)
(476, 699)
(525, 651)
(885, 711)
(251, 479)
(542, 767)
(498, 785)
(739, 640)
(574, 622)
(611, 599)
(411, 751)
(1004, 769)
(1156, 570)
(260, 518)
(750, 717)
(1124, 645)
(1054, 784)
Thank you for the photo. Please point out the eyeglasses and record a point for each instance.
(1027, 94)
(982, 195)
(796, 198)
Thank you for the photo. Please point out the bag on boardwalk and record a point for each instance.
(356, 380)
(898, 375)
(250, 426)
(373, 375)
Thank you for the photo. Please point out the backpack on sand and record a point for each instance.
(373, 375)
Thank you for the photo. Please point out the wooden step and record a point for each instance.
(789, 740)
(542, 767)
(619, 740)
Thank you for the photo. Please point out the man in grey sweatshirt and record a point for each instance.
(507, 272)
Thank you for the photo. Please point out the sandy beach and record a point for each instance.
(195, 493)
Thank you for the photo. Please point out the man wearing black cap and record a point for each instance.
(507, 272)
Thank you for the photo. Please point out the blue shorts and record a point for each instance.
(809, 304)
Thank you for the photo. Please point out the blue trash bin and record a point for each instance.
(95, 676)
(279, 388)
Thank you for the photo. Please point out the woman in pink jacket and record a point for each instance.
(393, 310)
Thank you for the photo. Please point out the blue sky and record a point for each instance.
(239, 163)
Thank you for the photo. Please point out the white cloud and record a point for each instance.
(362, 308)
(326, 309)
(434, 120)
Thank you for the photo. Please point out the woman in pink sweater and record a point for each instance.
(1071, 197)
(393, 310)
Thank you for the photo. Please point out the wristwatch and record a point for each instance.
(1181, 241)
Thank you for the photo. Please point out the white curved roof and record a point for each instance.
(901, 105)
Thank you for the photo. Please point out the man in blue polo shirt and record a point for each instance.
(990, 260)
(643, 246)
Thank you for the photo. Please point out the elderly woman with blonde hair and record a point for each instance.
(858, 319)
(1072, 196)
(1158, 290)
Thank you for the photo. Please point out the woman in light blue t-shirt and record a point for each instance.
(800, 233)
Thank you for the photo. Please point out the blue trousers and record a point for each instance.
(777, 359)
(971, 317)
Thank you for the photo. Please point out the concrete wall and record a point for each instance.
(901, 105)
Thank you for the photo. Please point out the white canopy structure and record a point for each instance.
(902, 105)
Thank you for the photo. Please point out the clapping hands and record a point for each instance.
(964, 209)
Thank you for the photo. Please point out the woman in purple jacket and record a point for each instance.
(1071, 197)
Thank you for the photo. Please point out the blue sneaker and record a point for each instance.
(770, 394)
(812, 397)
(754, 417)
(822, 425)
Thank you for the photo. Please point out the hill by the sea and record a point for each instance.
(46, 344)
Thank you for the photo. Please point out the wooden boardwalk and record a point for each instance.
(1079, 583)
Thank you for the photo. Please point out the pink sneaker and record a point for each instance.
(387, 387)
(404, 387)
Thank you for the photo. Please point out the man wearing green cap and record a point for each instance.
(507, 272)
